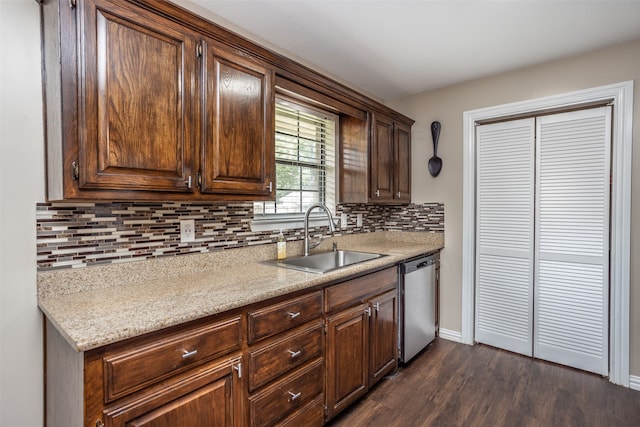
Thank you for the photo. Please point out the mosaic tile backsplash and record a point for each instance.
(83, 234)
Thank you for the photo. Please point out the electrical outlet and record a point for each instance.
(359, 220)
(187, 231)
(343, 221)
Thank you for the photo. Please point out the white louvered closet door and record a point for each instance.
(572, 239)
(504, 239)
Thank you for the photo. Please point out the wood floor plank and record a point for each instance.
(453, 384)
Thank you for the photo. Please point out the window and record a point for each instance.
(305, 163)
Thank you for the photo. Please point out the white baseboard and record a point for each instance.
(634, 382)
(450, 335)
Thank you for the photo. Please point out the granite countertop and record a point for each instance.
(96, 306)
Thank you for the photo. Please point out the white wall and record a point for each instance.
(606, 66)
(21, 186)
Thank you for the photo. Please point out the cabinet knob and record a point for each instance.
(294, 396)
(293, 315)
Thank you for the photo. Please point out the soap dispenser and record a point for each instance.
(281, 246)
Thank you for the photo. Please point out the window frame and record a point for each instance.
(281, 221)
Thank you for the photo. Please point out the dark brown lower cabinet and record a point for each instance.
(361, 341)
(206, 398)
(384, 343)
(347, 358)
(286, 395)
(310, 415)
(297, 360)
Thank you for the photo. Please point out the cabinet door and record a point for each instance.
(402, 163)
(210, 397)
(347, 354)
(239, 137)
(382, 152)
(384, 336)
(137, 74)
(354, 162)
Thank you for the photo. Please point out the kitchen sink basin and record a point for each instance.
(327, 261)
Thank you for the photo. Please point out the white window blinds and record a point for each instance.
(305, 160)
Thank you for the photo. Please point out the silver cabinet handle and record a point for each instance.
(294, 396)
(295, 354)
(377, 306)
(398, 194)
(293, 315)
(186, 354)
(377, 193)
(368, 311)
(238, 368)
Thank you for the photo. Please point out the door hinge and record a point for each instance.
(199, 50)
(75, 171)
(73, 4)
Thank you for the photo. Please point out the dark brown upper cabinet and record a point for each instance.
(390, 161)
(353, 156)
(119, 100)
(141, 107)
(239, 135)
(148, 101)
(402, 162)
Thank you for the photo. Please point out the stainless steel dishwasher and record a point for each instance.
(417, 305)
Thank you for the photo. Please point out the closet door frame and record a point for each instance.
(620, 95)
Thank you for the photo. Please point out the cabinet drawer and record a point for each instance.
(312, 415)
(285, 396)
(202, 396)
(270, 361)
(276, 318)
(134, 368)
(358, 290)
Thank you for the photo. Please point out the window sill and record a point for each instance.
(275, 223)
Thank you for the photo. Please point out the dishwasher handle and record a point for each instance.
(417, 264)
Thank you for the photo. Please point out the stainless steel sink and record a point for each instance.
(327, 261)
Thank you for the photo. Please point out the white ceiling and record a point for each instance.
(396, 48)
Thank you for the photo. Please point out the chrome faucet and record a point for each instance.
(307, 244)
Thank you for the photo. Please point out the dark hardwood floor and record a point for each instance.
(452, 384)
